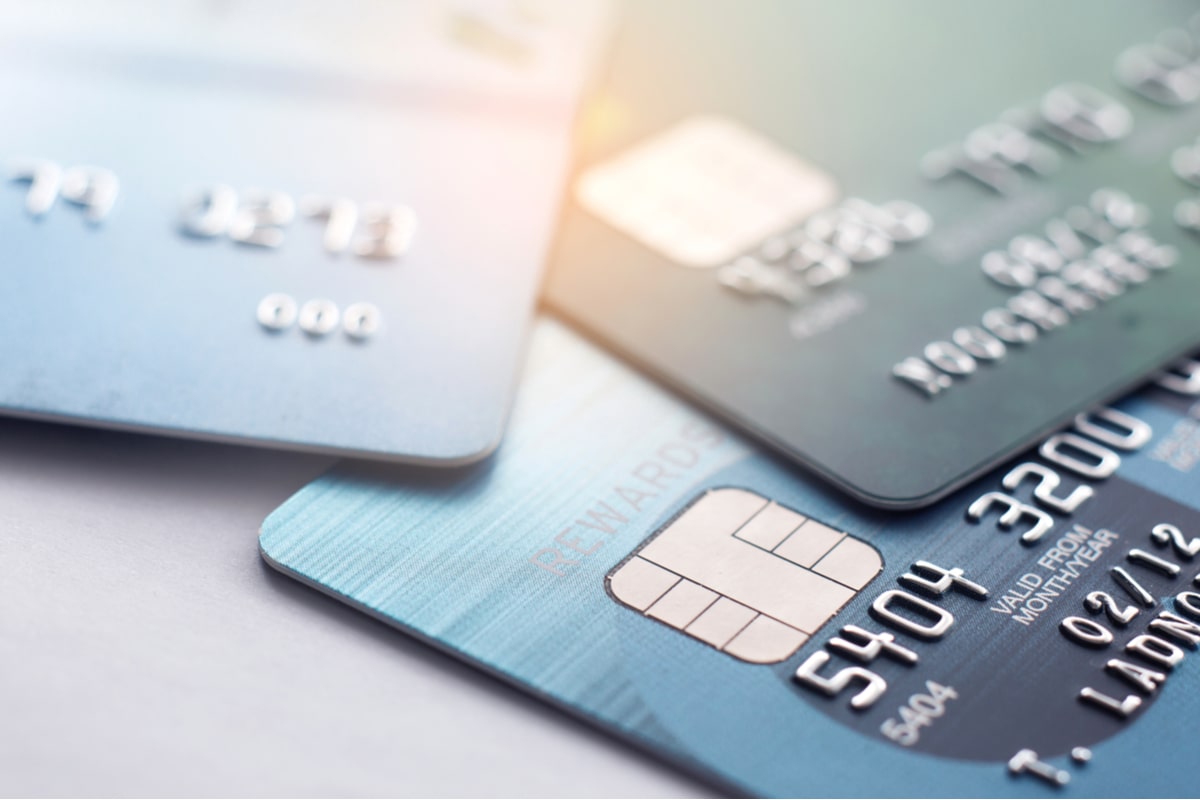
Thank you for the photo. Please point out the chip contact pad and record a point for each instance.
(745, 575)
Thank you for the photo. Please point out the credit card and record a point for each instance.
(896, 243)
(308, 225)
(633, 563)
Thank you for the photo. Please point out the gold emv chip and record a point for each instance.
(748, 576)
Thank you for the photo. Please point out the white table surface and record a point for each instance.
(146, 649)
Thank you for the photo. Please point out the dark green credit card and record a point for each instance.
(895, 241)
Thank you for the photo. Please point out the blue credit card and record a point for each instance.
(298, 224)
(626, 559)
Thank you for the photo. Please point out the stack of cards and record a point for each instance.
(857, 451)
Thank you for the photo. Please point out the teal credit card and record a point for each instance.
(897, 242)
(629, 561)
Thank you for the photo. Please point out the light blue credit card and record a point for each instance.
(1035, 634)
(307, 225)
